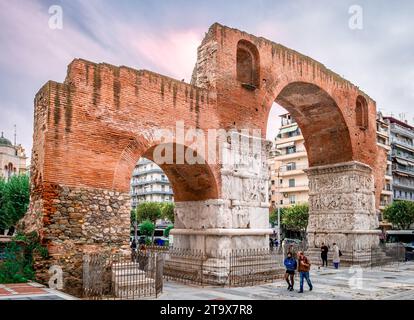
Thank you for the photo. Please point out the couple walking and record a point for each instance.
(335, 258)
(302, 265)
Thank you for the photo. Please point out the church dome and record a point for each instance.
(4, 141)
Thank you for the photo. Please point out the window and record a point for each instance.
(291, 183)
(292, 199)
(291, 166)
(291, 150)
(273, 182)
(281, 181)
(248, 64)
(361, 113)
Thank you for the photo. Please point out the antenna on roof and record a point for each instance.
(15, 135)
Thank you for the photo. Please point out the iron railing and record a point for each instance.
(223, 268)
(117, 276)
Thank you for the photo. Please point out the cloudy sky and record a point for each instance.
(163, 35)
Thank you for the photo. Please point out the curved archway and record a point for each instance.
(320, 121)
(190, 182)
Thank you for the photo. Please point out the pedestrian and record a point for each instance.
(304, 268)
(291, 265)
(324, 255)
(133, 250)
(292, 251)
(336, 255)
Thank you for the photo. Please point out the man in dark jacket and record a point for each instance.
(324, 255)
(303, 268)
(291, 265)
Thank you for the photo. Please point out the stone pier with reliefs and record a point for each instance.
(342, 210)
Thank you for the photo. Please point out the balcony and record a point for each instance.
(401, 197)
(402, 169)
(405, 185)
(403, 155)
(291, 155)
(402, 143)
(402, 130)
(153, 181)
(296, 188)
(143, 193)
(144, 172)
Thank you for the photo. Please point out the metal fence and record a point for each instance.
(223, 268)
(109, 276)
(387, 254)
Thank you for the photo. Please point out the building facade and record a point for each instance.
(149, 183)
(12, 159)
(288, 180)
(402, 157)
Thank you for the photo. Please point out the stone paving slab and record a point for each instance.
(31, 291)
(391, 282)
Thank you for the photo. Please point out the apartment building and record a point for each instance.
(149, 183)
(289, 182)
(383, 141)
(402, 157)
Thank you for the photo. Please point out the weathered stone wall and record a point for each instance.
(76, 221)
(342, 207)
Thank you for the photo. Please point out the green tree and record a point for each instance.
(296, 218)
(14, 200)
(400, 214)
(147, 228)
(167, 231)
(149, 211)
(167, 211)
(273, 216)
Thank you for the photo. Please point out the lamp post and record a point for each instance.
(278, 205)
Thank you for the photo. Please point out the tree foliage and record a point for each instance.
(167, 211)
(147, 228)
(148, 211)
(14, 200)
(273, 216)
(400, 214)
(296, 218)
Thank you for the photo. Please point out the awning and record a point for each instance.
(289, 129)
(402, 162)
(285, 145)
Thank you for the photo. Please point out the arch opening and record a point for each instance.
(248, 71)
(327, 139)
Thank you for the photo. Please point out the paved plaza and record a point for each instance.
(392, 282)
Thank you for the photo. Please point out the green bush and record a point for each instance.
(16, 267)
(147, 228)
(167, 231)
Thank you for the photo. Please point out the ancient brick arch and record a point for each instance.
(190, 182)
(91, 129)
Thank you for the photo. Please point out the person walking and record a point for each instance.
(304, 268)
(336, 255)
(291, 265)
(324, 254)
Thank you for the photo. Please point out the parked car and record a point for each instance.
(409, 251)
(292, 241)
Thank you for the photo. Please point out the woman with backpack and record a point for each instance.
(336, 256)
